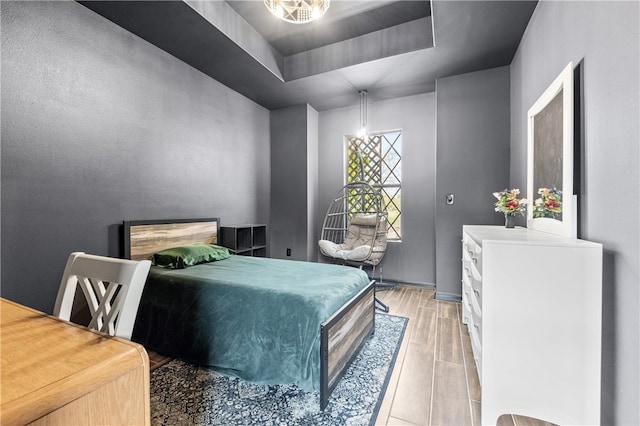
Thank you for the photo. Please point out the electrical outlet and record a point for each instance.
(288, 252)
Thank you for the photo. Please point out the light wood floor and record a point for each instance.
(434, 381)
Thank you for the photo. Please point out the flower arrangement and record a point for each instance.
(509, 203)
(549, 204)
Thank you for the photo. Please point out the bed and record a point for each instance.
(264, 320)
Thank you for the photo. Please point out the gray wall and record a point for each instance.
(603, 38)
(98, 127)
(294, 143)
(472, 163)
(413, 259)
(312, 183)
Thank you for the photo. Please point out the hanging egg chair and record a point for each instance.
(354, 231)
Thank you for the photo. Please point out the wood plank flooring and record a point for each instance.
(434, 381)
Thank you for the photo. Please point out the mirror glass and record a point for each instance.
(547, 159)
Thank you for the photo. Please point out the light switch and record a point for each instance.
(450, 198)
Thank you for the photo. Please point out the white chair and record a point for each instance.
(112, 288)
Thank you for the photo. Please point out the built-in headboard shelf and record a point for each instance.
(144, 238)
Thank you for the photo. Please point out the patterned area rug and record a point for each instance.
(185, 394)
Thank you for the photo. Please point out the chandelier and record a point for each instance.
(297, 11)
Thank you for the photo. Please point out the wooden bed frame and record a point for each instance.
(341, 335)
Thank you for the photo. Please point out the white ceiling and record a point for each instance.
(390, 48)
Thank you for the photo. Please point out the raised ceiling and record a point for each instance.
(390, 48)
(346, 20)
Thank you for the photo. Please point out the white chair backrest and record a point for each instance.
(112, 288)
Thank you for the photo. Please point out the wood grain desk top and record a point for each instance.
(47, 362)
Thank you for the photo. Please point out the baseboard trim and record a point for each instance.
(392, 282)
(448, 297)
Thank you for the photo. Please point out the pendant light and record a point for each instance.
(362, 133)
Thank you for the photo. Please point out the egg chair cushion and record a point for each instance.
(343, 251)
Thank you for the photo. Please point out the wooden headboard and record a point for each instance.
(144, 238)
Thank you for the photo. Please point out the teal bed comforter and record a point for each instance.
(254, 318)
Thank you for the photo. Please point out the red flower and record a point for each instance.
(512, 204)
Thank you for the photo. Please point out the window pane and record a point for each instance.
(377, 161)
(390, 146)
(391, 198)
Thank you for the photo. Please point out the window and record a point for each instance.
(381, 168)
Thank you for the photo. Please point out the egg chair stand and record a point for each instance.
(354, 231)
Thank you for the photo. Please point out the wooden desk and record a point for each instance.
(58, 373)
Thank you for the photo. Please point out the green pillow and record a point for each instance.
(189, 255)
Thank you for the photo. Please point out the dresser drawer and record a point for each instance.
(476, 286)
(466, 313)
(473, 251)
(476, 317)
(469, 269)
(466, 266)
(466, 300)
(476, 348)
(467, 316)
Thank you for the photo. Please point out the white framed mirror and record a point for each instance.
(552, 205)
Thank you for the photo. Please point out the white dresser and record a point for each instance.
(533, 306)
